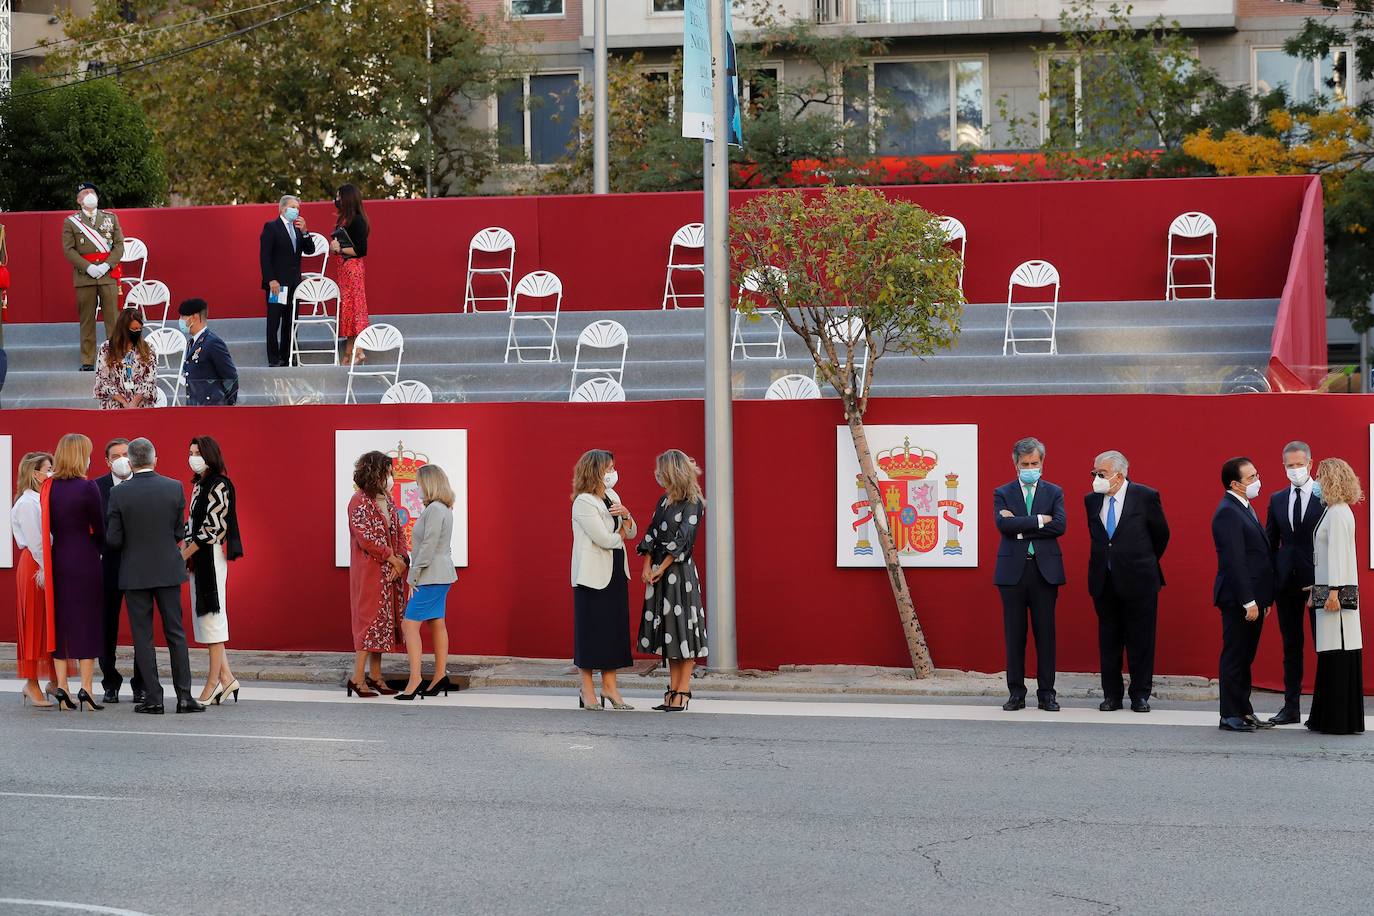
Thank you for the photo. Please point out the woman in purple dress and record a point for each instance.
(75, 527)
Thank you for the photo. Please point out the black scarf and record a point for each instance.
(203, 560)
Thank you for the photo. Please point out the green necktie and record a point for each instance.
(1030, 498)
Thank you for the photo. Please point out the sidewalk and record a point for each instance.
(491, 671)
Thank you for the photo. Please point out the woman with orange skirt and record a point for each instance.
(33, 652)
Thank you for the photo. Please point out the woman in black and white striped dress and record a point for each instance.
(212, 539)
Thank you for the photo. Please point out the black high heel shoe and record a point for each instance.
(64, 702)
(667, 701)
(418, 692)
(443, 684)
(686, 700)
(83, 699)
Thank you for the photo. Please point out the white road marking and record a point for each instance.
(72, 797)
(122, 731)
(78, 907)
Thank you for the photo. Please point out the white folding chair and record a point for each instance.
(957, 237)
(752, 282)
(1192, 225)
(1032, 275)
(169, 352)
(135, 252)
(689, 238)
(537, 285)
(598, 389)
(792, 388)
(491, 243)
(840, 332)
(408, 392)
(160, 397)
(601, 335)
(321, 294)
(376, 338)
(148, 294)
(321, 252)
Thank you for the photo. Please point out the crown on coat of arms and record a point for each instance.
(406, 464)
(907, 464)
(951, 480)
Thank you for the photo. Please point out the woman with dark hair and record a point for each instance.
(212, 540)
(126, 370)
(350, 243)
(376, 572)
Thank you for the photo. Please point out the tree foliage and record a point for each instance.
(51, 141)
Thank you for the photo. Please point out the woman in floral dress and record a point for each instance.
(125, 369)
(376, 573)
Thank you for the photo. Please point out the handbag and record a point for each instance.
(1347, 595)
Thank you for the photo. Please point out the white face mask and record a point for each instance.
(89, 201)
(1253, 489)
(390, 484)
(197, 464)
(1298, 476)
(121, 467)
(611, 479)
(1101, 484)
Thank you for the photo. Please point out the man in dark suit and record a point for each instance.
(117, 458)
(147, 515)
(1293, 515)
(1129, 533)
(1029, 512)
(1243, 591)
(283, 242)
(209, 373)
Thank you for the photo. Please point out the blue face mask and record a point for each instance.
(1316, 489)
(291, 214)
(1029, 475)
(185, 328)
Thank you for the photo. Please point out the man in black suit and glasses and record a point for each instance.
(1244, 590)
(147, 516)
(1294, 513)
(282, 244)
(117, 459)
(1129, 533)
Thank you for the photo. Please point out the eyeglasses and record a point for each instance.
(1103, 474)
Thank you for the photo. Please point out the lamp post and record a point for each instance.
(601, 180)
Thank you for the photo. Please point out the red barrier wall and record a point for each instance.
(794, 605)
(1298, 358)
(1106, 237)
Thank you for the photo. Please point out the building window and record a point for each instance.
(915, 107)
(1304, 79)
(525, 9)
(536, 117)
(667, 6)
(758, 89)
(1072, 116)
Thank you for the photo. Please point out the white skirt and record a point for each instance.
(213, 628)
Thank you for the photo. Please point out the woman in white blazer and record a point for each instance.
(600, 579)
(1338, 695)
(431, 575)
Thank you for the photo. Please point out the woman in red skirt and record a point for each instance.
(350, 243)
(33, 652)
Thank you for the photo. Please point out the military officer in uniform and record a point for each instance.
(209, 372)
(94, 244)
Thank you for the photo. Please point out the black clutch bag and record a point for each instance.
(1347, 595)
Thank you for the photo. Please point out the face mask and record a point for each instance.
(185, 328)
(1101, 484)
(390, 484)
(89, 201)
(291, 214)
(611, 479)
(1298, 476)
(1029, 475)
(47, 473)
(1253, 489)
(135, 336)
(121, 467)
(197, 464)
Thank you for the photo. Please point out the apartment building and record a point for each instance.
(33, 22)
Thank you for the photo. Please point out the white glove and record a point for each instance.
(38, 577)
(104, 269)
(95, 271)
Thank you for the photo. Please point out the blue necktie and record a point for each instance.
(1111, 516)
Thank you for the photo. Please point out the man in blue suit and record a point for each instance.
(1029, 512)
(209, 371)
(1293, 515)
(1243, 591)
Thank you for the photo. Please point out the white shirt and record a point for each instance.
(1120, 497)
(1243, 501)
(1304, 493)
(26, 520)
(290, 231)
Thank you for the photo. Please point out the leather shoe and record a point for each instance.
(1109, 705)
(1235, 724)
(152, 709)
(1285, 717)
(112, 696)
(1012, 704)
(139, 697)
(1050, 705)
(1257, 723)
(190, 706)
(1139, 704)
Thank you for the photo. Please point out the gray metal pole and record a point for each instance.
(720, 529)
(601, 170)
(1364, 362)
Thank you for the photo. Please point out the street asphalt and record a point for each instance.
(378, 807)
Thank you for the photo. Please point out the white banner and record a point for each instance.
(7, 494)
(928, 478)
(410, 449)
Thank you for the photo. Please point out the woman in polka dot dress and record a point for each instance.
(674, 622)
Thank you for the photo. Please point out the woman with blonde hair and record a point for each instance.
(1338, 695)
(674, 623)
(600, 578)
(431, 574)
(74, 531)
(33, 650)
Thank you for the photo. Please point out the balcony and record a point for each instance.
(1198, 13)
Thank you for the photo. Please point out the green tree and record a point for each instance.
(51, 141)
(853, 272)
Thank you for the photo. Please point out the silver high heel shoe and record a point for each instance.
(582, 704)
(619, 707)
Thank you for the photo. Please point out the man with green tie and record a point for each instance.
(1029, 512)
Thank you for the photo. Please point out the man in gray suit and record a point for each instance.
(146, 517)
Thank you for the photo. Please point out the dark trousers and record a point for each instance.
(168, 600)
(110, 678)
(1292, 604)
(279, 327)
(1239, 640)
(1126, 622)
(1036, 597)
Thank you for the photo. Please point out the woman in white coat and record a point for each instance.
(1338, 696)
(600, 579)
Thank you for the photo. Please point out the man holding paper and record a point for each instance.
(94, 244)
(284, 241)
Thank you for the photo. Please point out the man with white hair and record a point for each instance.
(1290, 526)
(284, 241)
(1129, 533)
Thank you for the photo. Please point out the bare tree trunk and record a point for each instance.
(906, 610)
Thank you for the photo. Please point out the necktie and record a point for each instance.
(1297, 509)
(1030, 498)
(1111, 516)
